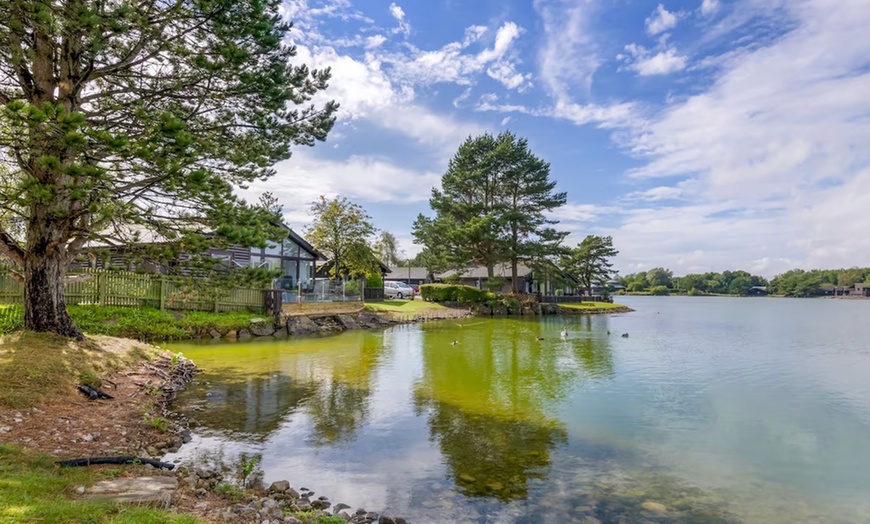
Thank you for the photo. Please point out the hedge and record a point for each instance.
(453, 293)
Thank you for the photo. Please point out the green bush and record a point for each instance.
(695, 292)
(659, 290)
(374, 280)
(352, 287)
(453, 293)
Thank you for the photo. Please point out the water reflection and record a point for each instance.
(332, 388)
(254, 406)
(490, 399)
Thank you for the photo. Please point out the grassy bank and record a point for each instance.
(146, 324)
(34, 489)
(35, 367)
(592, 305)
(404, 306)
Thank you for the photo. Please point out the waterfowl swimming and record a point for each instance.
(564, 333)
(539, 338)
(454, 343)
(608, 331)
(625, 335)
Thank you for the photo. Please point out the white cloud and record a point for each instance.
(658, 193)
(368, 179)
(709, 7)
(365, 92)
(375, 41)
(399, 14)
(454, 63)
(775, 148)
(506, 120)
(645, 63)
(661, 20)
(568, 56)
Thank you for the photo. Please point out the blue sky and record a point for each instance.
(701, 134)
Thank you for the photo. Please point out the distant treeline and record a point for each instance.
(793, 283)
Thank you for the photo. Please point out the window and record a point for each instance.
(273, 249)
(291, 249)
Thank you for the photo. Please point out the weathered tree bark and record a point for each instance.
(45, 267)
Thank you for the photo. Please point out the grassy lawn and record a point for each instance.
(140, 323)
(35, 367)
(591, 305)
(34, 489)
(404, 306)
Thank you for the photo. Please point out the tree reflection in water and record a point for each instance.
(489, 398)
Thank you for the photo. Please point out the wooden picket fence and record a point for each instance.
(119, 288)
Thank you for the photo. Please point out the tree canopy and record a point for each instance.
(492, 207)
(590, 261)
(387, 249)
(121, 122)
(342, 229)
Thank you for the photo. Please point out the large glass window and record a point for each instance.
(273, 249)
(272, 262)
(291, 249)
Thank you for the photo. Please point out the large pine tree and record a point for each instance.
(492, 206)
(122, 119)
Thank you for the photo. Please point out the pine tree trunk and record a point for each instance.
(44, 282)
(514, 282)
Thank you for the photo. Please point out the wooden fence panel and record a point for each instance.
(125, 289)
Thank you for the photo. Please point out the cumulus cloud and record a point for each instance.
(299, 181)
(647, 63)
(375, 41)
(456, 63)
(709, 7)
(775, 151)
(398, 13)
(661, 20)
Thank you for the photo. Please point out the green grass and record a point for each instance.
(311, 517)
(151, 324)
(34, 489)
(404, 306)
(37, 366)
(11, 318)
(592, 305)
(148, 324)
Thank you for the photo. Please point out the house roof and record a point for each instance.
(416, 273)
(479, 271)
(295, 237)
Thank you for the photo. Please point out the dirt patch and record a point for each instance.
(315, 309)
(66, 424)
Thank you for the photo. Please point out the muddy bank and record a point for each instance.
(136, 421)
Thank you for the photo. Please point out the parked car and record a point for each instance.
(394, 289)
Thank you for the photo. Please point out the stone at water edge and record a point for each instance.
(135, 490)
(654, 507)
(279, 486)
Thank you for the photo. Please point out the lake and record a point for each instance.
(720, 409)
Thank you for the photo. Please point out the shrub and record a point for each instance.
(352, 287)
(695, 292)
(374, 280)
(453, 293)
(659, 290)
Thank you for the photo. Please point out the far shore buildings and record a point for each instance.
(528, 281)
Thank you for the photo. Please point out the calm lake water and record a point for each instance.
(721, 409)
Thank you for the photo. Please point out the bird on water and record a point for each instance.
(625, 335)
